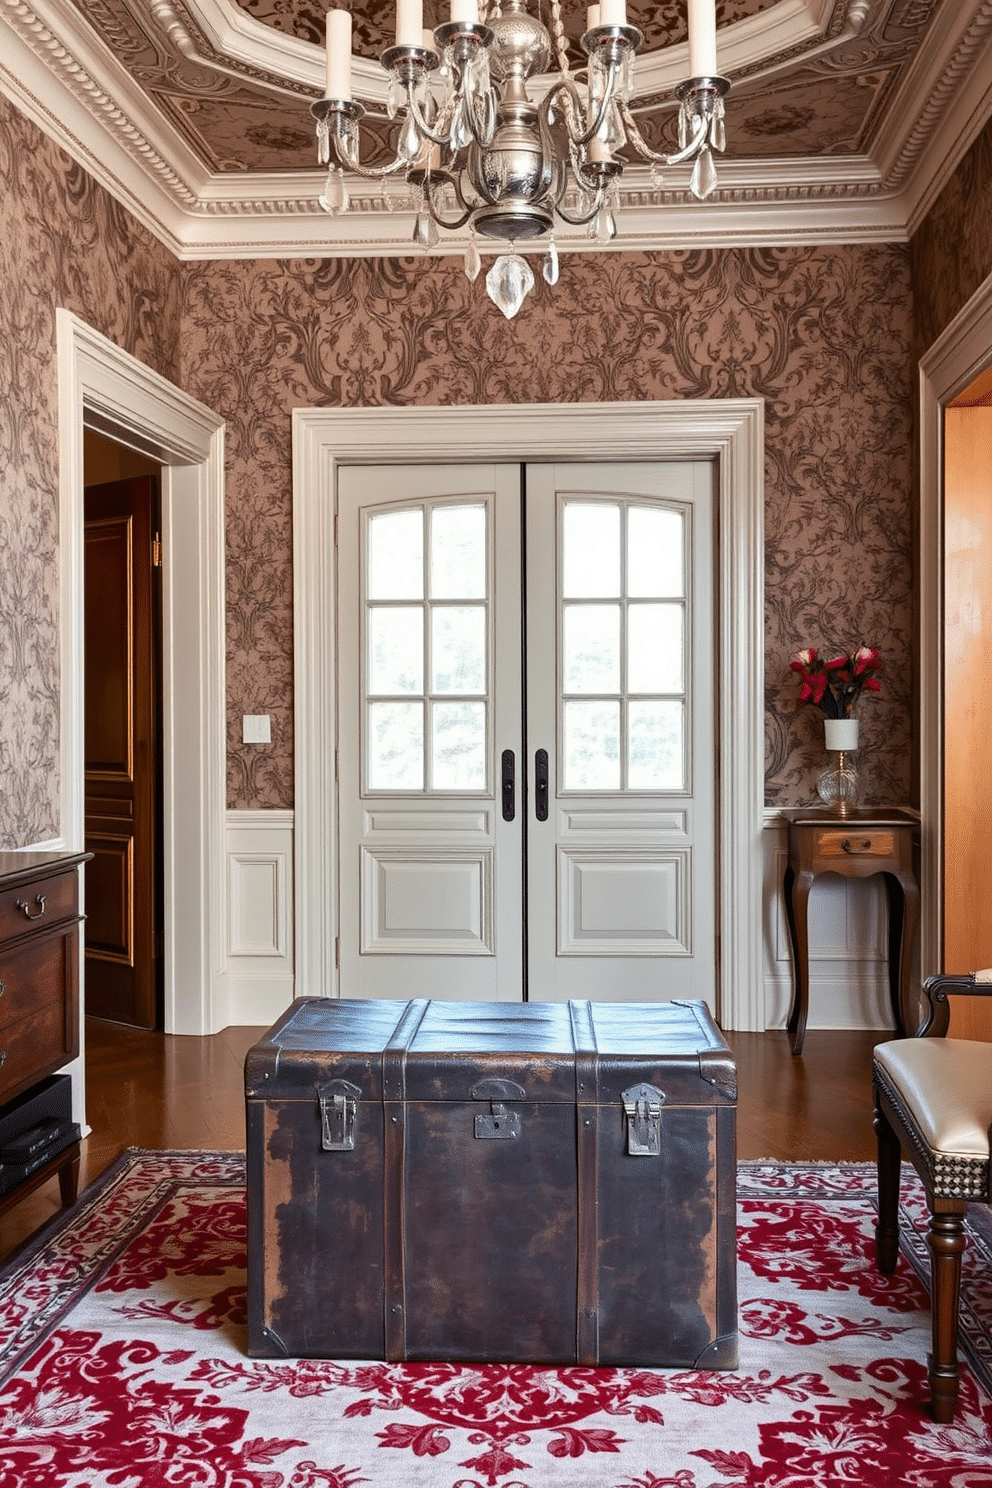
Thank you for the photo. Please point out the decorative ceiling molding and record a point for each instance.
(68, 79)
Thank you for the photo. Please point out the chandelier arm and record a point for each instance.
(349, 159)
(644, 149)
(567, 87)
(430, 188)
(424, 129)
(582, 221)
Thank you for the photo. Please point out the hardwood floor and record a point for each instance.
(164, 1091)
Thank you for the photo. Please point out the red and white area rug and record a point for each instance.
(122, 1361)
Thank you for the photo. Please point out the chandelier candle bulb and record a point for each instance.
(338, 83)
(465, 12)
(592, 17)
(409, 23)
(702, 38)
(613, 12)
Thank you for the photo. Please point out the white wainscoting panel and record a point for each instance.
(848, 936)
(259, 972)
(614, 901)
(427, 903)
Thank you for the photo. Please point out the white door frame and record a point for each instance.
(101, 387)
(961, 352)
(732, 433)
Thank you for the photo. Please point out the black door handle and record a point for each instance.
(508, 786)
(541, 783)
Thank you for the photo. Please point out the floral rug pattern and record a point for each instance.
(122, 1362)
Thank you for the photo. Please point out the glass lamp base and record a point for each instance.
(839, 786)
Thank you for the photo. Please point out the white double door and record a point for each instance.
(526, 764)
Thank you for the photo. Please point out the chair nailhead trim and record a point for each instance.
(946, 1176)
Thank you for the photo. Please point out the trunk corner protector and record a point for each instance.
(720, 1354)
(718, 1069)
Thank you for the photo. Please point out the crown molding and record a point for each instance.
(68, 82)
(947, 94)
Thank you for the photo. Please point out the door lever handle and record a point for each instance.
(508, 785)
(541, 784)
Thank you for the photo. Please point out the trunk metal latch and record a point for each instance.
(500, 1125)
(642, 1107)
(338, 1116)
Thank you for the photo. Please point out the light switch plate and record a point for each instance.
(256, 728)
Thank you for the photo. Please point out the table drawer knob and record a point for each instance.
(25, 908)
(853, 848)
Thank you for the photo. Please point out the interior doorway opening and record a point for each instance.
(122, 646)
(967, 631)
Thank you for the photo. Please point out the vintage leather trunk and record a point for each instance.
(535, 1182)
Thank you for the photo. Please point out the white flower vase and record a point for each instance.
(839, 786)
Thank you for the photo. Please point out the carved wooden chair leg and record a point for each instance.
(946, 1241)
(889, 1164)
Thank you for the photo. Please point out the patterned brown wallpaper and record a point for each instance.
(63, 242)
(951, 253)
(823, 334)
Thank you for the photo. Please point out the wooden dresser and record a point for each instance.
(39, 966)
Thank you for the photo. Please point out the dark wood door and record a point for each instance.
(123, 893)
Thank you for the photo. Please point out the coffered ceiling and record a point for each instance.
(844, 119)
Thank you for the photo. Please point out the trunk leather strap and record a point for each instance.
(587, 1129)
(394, 1174)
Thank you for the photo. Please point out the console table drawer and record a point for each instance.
(847, 844)
(35, 906)
(34, 1046)
(35, 972)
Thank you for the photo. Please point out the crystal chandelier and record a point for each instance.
(480, 155)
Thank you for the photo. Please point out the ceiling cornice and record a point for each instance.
(62, 76)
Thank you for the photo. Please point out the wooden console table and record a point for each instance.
(39, 989)
(869, 840)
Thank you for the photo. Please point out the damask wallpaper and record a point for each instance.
(827, 335)
(65, 242)
(822, 334)
(952, 250)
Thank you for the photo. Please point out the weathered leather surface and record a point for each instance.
(552, 1245)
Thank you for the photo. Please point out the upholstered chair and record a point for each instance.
(933, 1101)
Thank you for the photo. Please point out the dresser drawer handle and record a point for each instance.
(853, 848)
(25, 908)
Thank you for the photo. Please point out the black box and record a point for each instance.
(34, 1128)
(531, 1183)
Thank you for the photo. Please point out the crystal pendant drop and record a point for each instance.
(392, 98)
(334, 197)
(425, 231)
(509, 282)
(550, 267)
(703, 182)
(718, 131)
(410, 142)
(606, 228)
(473, 263)
(461, 134)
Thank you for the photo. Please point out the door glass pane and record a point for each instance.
(654, 648)
(592, 746)
(458, 648)
(396, 649)
(592, 648)
(591, 549)
(396, 746)
(458, 746)
(657, 751)
(458, 552)
(655, 552)
(396, 555)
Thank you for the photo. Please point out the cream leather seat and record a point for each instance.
(933, 1099)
